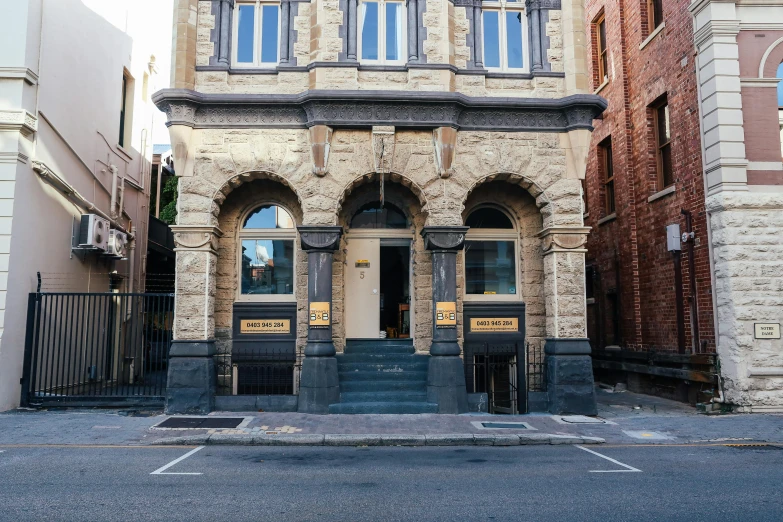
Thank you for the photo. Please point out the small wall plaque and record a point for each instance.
(494, 324)
(445, 314)
(265, 326)
(362, 263)
(320, 315)
(766, 330)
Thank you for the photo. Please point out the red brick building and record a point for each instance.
(645, 172)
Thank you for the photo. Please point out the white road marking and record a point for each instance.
(160, 471)
(628, 469)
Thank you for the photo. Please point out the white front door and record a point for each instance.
(363, 288)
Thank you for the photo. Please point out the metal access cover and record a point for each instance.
(506, 425)
(581, 419)
(201, 423)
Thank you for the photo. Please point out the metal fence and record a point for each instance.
(494, 369)
(536, 368)
(97, 348)
(268, 372)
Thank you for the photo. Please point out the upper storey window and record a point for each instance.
(256, 34)
(505, 35)
(382, 32)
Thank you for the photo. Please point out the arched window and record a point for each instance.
(266, 254)
(491, 255)
(372, 215)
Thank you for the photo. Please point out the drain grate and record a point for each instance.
(506, 425)
(201, 423)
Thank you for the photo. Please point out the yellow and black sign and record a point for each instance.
(319, 315)
(362, 263)
(265, 326)
(446, 314)
(494, 324)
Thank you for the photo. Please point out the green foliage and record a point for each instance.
(168, 201)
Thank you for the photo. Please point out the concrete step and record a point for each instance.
(373, 385)
(383, 407)
(383, 396)
(374, 375)
(375, 348)
(381, 358)
(379, 367)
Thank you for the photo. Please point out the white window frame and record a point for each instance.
(493, 234)
(256, 35)
(382, 34)
(502, 6)
(271, 234)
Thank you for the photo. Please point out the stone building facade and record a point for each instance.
(739, 49)
(644, 298)
(331, 137)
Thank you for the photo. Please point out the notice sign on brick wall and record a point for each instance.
(766, 330)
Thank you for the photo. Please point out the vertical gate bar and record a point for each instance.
(78, 369)
(159, 356)
(47, 355)
(92, 319)
(100, 324)
(28, 348)
(151, 306)
(521, 359)
(109, 346)
(52, 341)
(61, 327)
(490, 391)
(70, 328)
(36, 361)
(119, 338)
(124, 338)
(101, 352)
(148, 387)
(135, 315)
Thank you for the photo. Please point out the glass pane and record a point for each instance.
(666, 165)
(663, 124)
(491, 39)
(267, 266)
(780, 85)
(488, 218)
(246, 33)
(602, 35)
(371, 216)
(514, 39)
(393, 31)
(489, 267)
(370, 30)
(269, 216)
(269, 37)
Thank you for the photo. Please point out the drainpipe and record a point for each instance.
(113, 204)
(688, 238)
(131, 260)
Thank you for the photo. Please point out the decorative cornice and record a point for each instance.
(366, 109)
(13, 157)
(196, 238)
(319, 238)
(18, 73)
(18, 120)
(444, 238)
(563, 239)
(533, 5)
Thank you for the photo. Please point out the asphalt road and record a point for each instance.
(693, 483)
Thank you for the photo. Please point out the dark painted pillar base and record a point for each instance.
(569, 377)
(446, 384)
(192, 377)
(319, 385)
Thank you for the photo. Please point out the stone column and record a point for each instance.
(413, 31)
(285, 28)
(191, 370)
(319, 386)
(534, 11)
(569, 367)
(224, 41)
(446, 374)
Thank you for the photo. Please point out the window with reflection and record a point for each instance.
(490, 255)
(266, 252)
(382, 32)
(256, 33)
(504, 26)
(373, 215)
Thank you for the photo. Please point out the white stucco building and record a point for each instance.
(76, 120)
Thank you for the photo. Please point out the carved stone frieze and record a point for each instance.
(444, 238)
(198, 238)
(367, 109)
(564, 239)
(314, 237)
(532, 5)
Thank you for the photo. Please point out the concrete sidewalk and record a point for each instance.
(623, 418)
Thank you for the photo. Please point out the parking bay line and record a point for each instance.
(628, 469)
(162, 471)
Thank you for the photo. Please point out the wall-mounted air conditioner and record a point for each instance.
(118, 244)
(93, 232)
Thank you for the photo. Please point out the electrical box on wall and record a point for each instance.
(673, 238)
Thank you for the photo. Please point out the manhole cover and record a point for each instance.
(201, 423)
(506, 425)
(581, 419)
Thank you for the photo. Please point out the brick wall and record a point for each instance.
(629, 252)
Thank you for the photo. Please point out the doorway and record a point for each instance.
(378, 287)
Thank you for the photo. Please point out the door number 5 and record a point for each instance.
(361, 274)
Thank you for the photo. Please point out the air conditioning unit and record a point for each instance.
(93, 232)
(118, 244)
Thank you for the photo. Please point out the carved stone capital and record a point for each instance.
(564, 239)
(319, 238)
(196, 238)
(444, 141)
(444, 238)
(383, 148)
(320, 144)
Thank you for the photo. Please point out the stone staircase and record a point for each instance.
(382, 376)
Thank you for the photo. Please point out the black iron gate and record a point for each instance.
(497, 369)
(97, 349)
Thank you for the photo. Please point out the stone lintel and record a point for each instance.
(200, 238)
(320, 238)
(367, 109)
(444, 238)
